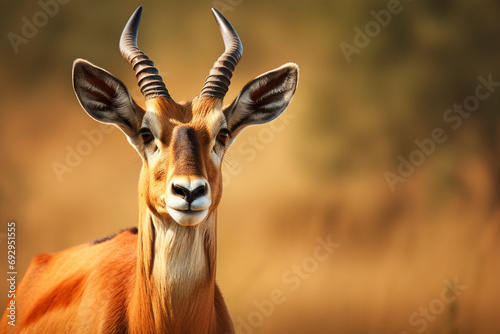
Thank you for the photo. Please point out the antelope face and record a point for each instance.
(182, 145)
(182, 153)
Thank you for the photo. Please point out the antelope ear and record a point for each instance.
(262, 99)
(105, 98)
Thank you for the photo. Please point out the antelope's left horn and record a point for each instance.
(150, 82)
(219, 78)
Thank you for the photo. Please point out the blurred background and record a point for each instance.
(389, 154)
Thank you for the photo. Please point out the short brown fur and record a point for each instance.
(160, 278)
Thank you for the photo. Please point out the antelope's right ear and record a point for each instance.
(105, 98)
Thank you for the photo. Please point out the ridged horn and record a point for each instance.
(150, 82)
(219, 78)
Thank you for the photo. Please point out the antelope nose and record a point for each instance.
(188, 200)
(189, 195)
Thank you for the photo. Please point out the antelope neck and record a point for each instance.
(176, 273)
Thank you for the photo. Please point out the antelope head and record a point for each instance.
(182, 144)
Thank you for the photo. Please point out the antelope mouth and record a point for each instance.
(188, 201)
(188, 216)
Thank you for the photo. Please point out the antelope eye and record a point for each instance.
(223, 136)
(146, 135)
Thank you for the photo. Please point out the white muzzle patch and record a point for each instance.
(188, 200)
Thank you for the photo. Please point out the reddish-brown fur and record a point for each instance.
(112, 286)
(160, 278)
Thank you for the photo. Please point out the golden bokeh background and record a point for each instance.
(418, 253)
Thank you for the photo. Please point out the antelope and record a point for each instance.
(160, 276)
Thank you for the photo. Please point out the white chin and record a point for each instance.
(187, 218)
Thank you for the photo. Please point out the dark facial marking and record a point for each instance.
(186, 150)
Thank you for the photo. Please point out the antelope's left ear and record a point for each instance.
(262, 99)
